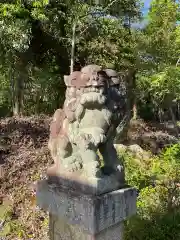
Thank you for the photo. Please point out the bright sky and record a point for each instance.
(146, 6)
(144, 10)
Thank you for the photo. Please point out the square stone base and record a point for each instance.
(76, 215)
(88, 185)
(60, 230)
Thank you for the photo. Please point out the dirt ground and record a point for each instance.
(24, 158)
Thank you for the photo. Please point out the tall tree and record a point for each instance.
(36, 45)
(160, 54)
(161, 31)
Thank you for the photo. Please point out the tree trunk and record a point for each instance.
(17, 97)
(178, 110)
(16, 108)
(131, 94)
(21, 94)
(21, 76)
(37, 106)
(73, 47)
(174, 120)
(14, 82)
(12, 88)
(160, 115)
(135, 111)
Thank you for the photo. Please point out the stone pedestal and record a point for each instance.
(59, 230)
(76, 215)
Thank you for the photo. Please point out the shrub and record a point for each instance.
(158, 205)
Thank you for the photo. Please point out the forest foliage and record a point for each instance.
(157, 180)
(36, 51)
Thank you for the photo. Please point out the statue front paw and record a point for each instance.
(75, 165)
(99, 139)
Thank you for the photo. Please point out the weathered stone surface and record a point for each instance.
(92, 214)
(60, 230)
(93, 186)
(95, 105)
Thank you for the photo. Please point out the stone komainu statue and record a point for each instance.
(94, 107)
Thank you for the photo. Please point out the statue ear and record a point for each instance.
(66, 80)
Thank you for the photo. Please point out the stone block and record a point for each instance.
(76, 215)
(61, 230)
(88, 185)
